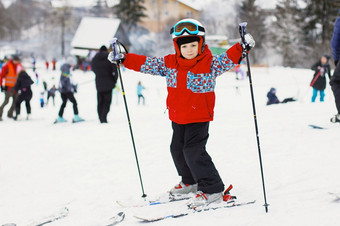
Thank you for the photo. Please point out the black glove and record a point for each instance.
(75, 88)
(3, 88)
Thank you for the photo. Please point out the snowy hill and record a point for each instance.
(88, 166)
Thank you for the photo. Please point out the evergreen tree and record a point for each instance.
(318, 19)
(100, 8)
(286, 34)
(2, 18)
(130, 12)
(255, 17)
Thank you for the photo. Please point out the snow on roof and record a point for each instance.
(80, 52)
(93, 32)
(195, 4)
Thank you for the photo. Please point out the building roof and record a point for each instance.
(93, 32)
(195, 4)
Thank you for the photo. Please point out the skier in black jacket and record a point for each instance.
(23, 86)
(106, 78)
(321, 68)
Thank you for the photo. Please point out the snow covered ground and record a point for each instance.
(88, 166)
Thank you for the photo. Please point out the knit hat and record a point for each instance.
(70, 60)
(327, 56)
(103, 48)
(16, 57)
(187, 39)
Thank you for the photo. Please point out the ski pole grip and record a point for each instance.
(243, 30)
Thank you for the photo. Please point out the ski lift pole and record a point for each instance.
(243, 31)
(114, 43)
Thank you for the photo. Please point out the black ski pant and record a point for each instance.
(336, 92)
(103, 104)
(191, 159)
(65, 97)
(48, 97)
(24, 96)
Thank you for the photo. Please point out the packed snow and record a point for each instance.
(88, 166)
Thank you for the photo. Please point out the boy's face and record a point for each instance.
(189, 50)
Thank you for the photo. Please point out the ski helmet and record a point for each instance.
(188, 28)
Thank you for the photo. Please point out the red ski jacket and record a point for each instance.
(190, 83)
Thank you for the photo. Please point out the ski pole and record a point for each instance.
(243, 31)
(114, 44)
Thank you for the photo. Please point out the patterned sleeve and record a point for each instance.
(220, 64)
(154, 66)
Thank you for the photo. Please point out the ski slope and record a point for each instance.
(88, 166)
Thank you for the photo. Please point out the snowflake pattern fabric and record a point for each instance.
(197, 83)
(201, 83)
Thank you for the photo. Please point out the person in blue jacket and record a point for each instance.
(335, 42)
(140, 95)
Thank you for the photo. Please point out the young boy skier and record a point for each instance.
(191, 76)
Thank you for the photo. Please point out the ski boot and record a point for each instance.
(203, 199)
(182, 189)
(335, 118)
(77, 119)
(59, 120)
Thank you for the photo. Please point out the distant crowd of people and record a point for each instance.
(16, 85)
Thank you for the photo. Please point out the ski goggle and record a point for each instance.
(190, 27)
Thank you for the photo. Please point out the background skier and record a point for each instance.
(140, 95)
(9, 74)
(67, 90)
(106, 78)
(321, 68)
(23, 86)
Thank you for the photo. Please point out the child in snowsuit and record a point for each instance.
(23, 87)
(321, 68)
(51, 93)
(272, 98)
(191, 77)
(67, 90)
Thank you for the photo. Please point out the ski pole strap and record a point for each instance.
(316, 77)
(118, 50)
